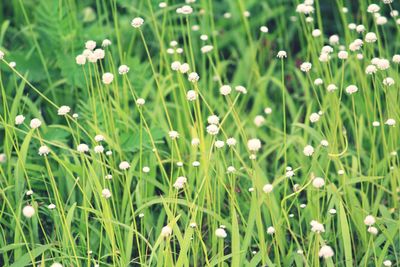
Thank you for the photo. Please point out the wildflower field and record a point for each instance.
(199, 133)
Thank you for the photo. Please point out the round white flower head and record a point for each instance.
(264, 29)
(259, 120)
(352, 26)
(56, 264)
(44, 150)
(324, 143)
(267, 188)
(281, 54)
(316, 33)
(195, 164)
(334, 39)
(162, 5)
(28, 211)
(308, 150)
(220, 233)
(19, 119)
(318, 81)
(219, 144)
(186, 10)
(268, 110)
(123, 69)
(314, 117)
(195, 141)
(270, 230)
(124, 165)
(372, 230)
(175, 65)
(99, 53)
(207, 48)
(383, 64)
(193, 77)
(184, 68)
(51, 206)
(3, 158)
(370, 37)
(396, 59)
(212, 129)
(394, 13)
(90, 45)
(332, 211)
(180, 182)
(231, 141)
(108, 177)
(166, 231)
(1, 55)
(63, 110)
(107, 78)
(324, 57)
(109, 152)
(225, 90)
(331, 87)
(369, 220)
(137, 22)
(381, 20)
(92, 58)
(173, 134)
(254, 144)
(318, 182)
(35, 123)
(230, 169)
(213, 119)
(191, 95)
(370, 69)
(326, 252)
(99, 138)
(351, 89)
(140, 102)
(373, 8)
(343, 55)
(29, 192)
(82, 148)
(390, 122)
(241, 89)
(99, 149)
(106, 193)
(80, 60)
(360, 28)
(376, 123)
(388, 81)
(306, 66)
(387, 263)
(106, 43)
(317, 227)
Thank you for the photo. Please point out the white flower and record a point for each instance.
(369, 220)
(207, 48)
(231, 169)
(388, 81)
(334, 39)
(351, 89)
(173, 134)
(184, 68)
(372, 230)
(1, 55)
(314, 117)
(195, 164)
(318, 182)
(212, 129)
(343, 55)
(225, 90)
(195, 142)
(324, 57)
(166, 231)
(331, 87)
(186, 10)
(360, 28)
(373, 8)
(162, 5)
(99, 138)
(80, 60)
(213, 119)
(370, 69)
(137, 22)
(376, 123)
(90, 45)
(267, 188)
(193, 225)
(370, 37)
(268, 110)
(107, 78)
(35, 123)
(176, 65)
(63, 110)
(254, 144)
(180, 182)
(289, 173)
(326, 252)
(387, 263)
(140, 102)
(19, 119)
(82, 148)
(390, 122)
(124, 165)
(306, 66)
(193, 77)
(28, 211)
(123, 69)
(146, 169)
(108, 177)
(352, 26)
(270, 230)
(56, 264)
(108, 152)
(29, 192)
(106, 193)
(231, 141)
(317, 227)
(282, 54)
(220, 233)
(381, 20)
(264, 29)
(51, 206)
(396, 59)
(99, 149)
(106, 43)
(191, 95)
(316, 33)
(318, 81)
(332, 211)
(241, 89)
(44, 150)
(308, 150)
(99, 53)
(259, 120)
(324, 143)
(383, 64)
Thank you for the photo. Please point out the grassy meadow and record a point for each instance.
(199, 133)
